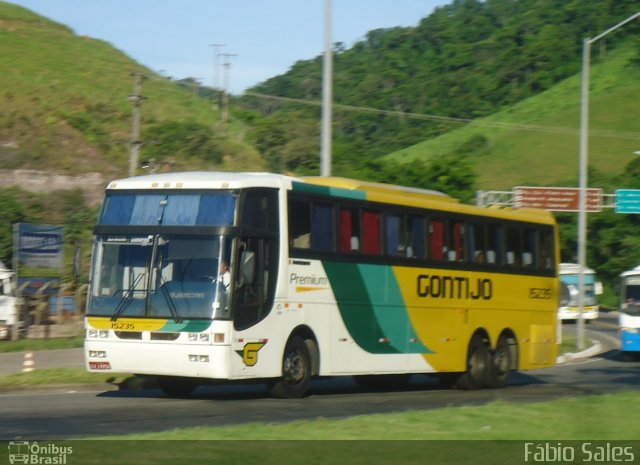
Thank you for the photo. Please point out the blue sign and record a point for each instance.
(628, 201)
(38, 255)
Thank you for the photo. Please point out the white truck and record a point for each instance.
(8, 303)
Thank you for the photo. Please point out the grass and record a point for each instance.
(55, 376)
(516, 156)
(598, 417)
(42, 344)
(67, 102)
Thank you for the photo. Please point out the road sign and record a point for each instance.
(628, 201)
(566, 199)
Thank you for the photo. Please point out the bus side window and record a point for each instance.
(349, 230)
(371, 244)
(494, 244)
(455, 242)
(392, 235)
(514, 247)
(415, 237)
(436, 240)
(300, 224)
(530, 248)
(322, 228)
(477, 243)
(546, 250)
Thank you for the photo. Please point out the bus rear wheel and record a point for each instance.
(296, 371)
(500, 363)
(475, 377)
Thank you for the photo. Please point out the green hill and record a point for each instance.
(65, 107)
(468, 59)
(537, 140)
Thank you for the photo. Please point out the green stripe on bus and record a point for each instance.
(330, 191)
(356, 309)
(191, 326)
(390, 309)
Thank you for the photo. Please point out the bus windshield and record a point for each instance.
(631, 295)
(162, 276)
(570, 289)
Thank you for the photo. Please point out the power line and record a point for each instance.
(454, 120)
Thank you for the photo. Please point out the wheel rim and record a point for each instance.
(294, 367)
(501, 360)
(477, 364)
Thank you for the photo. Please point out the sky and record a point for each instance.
(175, 37)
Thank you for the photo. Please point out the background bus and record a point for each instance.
(329, 277)
(569, 276)
(630, 313)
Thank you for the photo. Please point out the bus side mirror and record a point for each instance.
(247, 268)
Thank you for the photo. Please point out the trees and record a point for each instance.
(466, 59)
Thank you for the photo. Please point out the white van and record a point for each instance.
(8, 302)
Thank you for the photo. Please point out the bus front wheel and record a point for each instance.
(296, 370)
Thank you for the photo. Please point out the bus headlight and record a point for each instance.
(97, 354)
(202, 337)
(97, 334)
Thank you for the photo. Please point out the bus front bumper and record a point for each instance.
(630, 340)
(196, 361)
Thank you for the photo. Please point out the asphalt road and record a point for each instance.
(82, 413)
(13, 362)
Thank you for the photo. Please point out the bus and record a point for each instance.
(326, 277)
(630, 313)
(569, 280)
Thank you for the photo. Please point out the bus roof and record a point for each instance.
(202, 180)
(631, 272)
(332, 186)
(421, 198)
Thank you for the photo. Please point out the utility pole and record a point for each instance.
(327, 89)
(224, 114)
(135, 144)
(216, 74)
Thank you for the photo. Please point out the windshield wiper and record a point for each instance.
(126, 299)
(171, 304)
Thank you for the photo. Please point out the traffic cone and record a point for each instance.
(28, 364)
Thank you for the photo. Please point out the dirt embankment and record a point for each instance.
(92, 184)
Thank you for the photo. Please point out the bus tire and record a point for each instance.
(629, 356)
(475, 377)
(175, 386)
(296, 371)
(501, 361)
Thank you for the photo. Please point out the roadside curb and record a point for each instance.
(595, 349)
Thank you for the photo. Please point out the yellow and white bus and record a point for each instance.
(202, 277)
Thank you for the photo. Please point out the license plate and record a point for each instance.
(100, 365)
